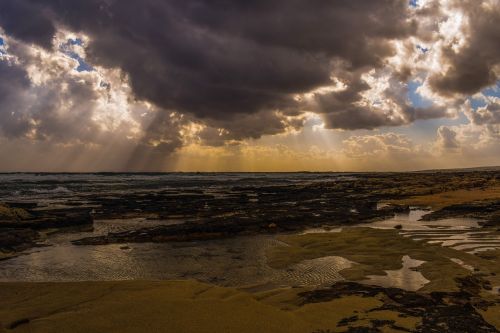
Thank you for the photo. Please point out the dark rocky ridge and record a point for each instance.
(486, 210)
(20, 223)
(16, 240)
(209, 207)
(237, 225)
(285, 207)
(441, 312)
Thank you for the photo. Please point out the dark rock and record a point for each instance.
(12, 240)
(363, 330)
(347, 321)
(19, 223)
(54, 218)
(440, 311)
(487, 210)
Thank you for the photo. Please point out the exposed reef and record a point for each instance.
(451, 312)
(21, 225)
(486, 210)
(230, 226)
(436, 282)
(207, 208)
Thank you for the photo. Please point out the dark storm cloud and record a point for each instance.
(353, 118)
(249, 126)
(473, 66)
(342, 109)
(223, 61)
(160, 140)
(14, 81)
(28, 21)
(347, 109)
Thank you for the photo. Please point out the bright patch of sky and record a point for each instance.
(476, 103)
(76, 41)
(422, 49)
(423, 129)
(83, 66)
(2, 47)
(493, 91)
(415, 98)
(414, 3)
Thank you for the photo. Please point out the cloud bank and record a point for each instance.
(160, 76)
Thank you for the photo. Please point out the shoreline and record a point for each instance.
(431, 279)
(190, 306)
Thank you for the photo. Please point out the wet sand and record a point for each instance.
(404, 269)
(175, 306)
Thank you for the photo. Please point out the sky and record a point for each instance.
(249, 85)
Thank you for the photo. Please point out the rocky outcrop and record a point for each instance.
(15, 240)
(486, 210)
(20, 223)
(53, 218)
(443, 312)
(222, 227)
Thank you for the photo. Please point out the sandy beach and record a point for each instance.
(170, 306)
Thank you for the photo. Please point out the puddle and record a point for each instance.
(411, 222)
(463, 234)
(235, 262)
(321, 230)
(463, 264)
(405, 278)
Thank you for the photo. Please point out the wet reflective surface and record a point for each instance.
(239, 261)
(405, 278)
(457, 233)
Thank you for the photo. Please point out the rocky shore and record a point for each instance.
(288, 207)
(22, 225)
(486, 210)
(456, 291)
(453, 312)
(232, 226)
(209, 209)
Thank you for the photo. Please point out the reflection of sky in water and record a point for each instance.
(405, 278)
(458, 233)
(231, 262)
(463, 264)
